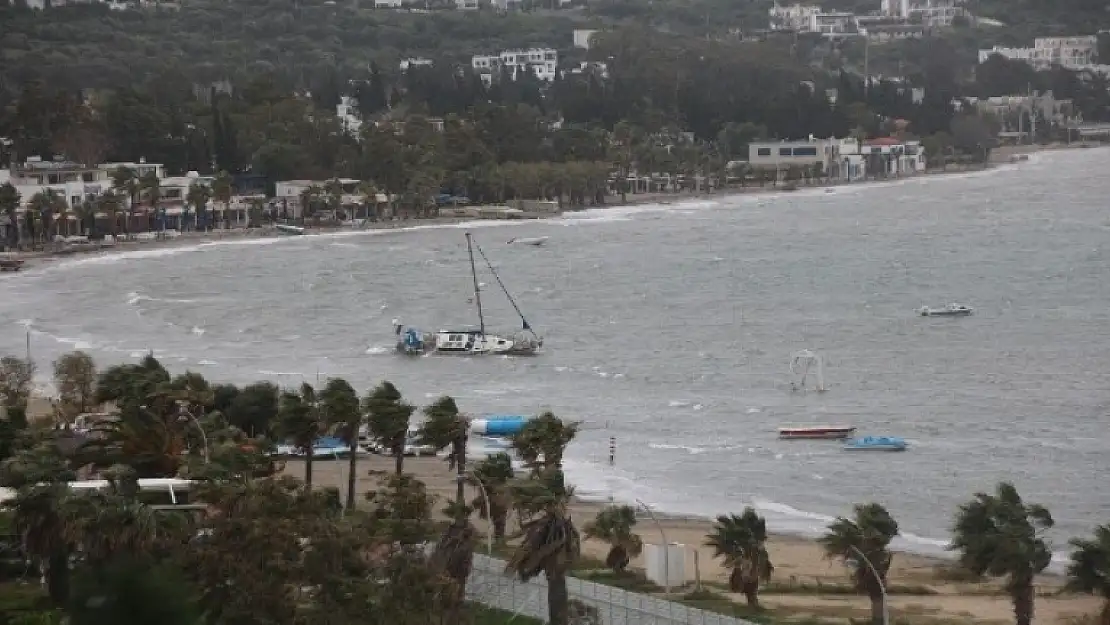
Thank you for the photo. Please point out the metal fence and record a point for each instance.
(607, 605)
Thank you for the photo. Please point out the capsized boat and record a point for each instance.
(951, 310)
(537, 241)
(875, 443)
(821, 432)
(471, 341)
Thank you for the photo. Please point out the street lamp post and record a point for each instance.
(666, 548)
(878, 580)
(185, 415)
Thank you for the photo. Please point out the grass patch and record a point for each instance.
(712, 602)
(633, 581)
(481, 615)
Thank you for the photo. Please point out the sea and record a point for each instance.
(669, 328)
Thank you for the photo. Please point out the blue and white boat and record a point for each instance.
(875, 443)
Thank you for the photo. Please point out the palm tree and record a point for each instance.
(310, 196)
(369, 192)
(551, 542)
(9, 206)
(151, 186)
(387, 419)
(494, 474)
(299, 421)
(110, 203)
(221, 191)
(866, 536)
(614, 525)
(1002, 536)
(42, 522)
(108, 525)
(198, 197)
(148, 438)
(333, 190)
(742, 541)
(340, 405)
(47, 206)
(1089, 570)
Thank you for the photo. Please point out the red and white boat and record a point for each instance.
(824, 432)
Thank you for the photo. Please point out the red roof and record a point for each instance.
(883, 141)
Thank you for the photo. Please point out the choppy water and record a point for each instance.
(673, 326)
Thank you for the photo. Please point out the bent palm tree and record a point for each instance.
(387, 418)
(867, 535)
(299, 421)
(340, 403)
(1089, 570)
(614, 525)
(742, 541)
(1001, 536)
(494, 474)
(43, 524)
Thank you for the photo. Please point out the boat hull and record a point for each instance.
(945, 313)
(821, 433)
(875, 448)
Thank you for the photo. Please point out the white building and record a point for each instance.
(934, 13)
(833, 23)
(1074, 53)
(543, 63)
(840, 159)
(388, 4)
(466, 5)
(582, 36)
(287, 195)
(347, 113)
(793, 17)
(74, 182)
(416, 61)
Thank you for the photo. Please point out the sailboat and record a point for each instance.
(472, 342)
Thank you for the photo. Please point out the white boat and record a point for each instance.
(536, 241)
(472, 341)
(951, 310)
(287, 229)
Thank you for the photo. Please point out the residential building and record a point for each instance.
(466, 5)
(932, 13)
(597, 68)
(832, 24)
(388, 4)
(411, 62)
(1074, 53)
(543, 63)
(287, 195)
(74, 182)
(785, 154)
(582, 36)
(347, 114)
(841, 159)
(889, 156)
(794, 17)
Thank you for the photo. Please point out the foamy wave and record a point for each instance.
(207, 363)
(377, 351)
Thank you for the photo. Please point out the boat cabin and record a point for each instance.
(457, 340)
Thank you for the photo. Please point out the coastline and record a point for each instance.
(1004, 155)
(804, 579)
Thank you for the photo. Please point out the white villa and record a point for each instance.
(1074, 53)
(845, 160)
(543, 63)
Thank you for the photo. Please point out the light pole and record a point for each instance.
(489, 515)
(878, 580)
(666, 548)
(183, 414)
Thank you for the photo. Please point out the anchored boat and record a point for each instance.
(825, 432)
(875, 443)
(536, 241)
(951, 310)
(471, 342)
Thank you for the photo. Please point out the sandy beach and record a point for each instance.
(921, 590)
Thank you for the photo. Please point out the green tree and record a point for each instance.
(132, 589)
(1002, 536)
(742, 542)
(494, 474)
(613, 525)
(339, 402)
(9, 205)
(75, 378)
(300, 422)
(44, 525)
(198, 197)
(387, 419)
(221, 192)
(863, 543)
(47, 207)
(1089, 570)
(15, 386)
(110, 203)
(551, 542)
(151, 187)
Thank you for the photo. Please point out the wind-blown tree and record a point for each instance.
(221, 192)
(387, 419)
(1002, 536)
(494, 474)
(445, 428)
(1089, 570)
(149, 438)
(866, 536)
(339, 402)
(9, 205)
(110, 203)
(742, 541)
(551, 542)
(299, 421)
(48, 207)
(614, 525)
(198, 197)
(151, 186)
(44, 525)
(75, 377)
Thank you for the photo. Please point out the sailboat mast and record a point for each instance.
(477, 290)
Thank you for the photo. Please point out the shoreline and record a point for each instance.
(1006, 155)
(804, 579)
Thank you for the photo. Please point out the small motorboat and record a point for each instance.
(875, 443)
(11, 264)
(951, 310)
(826, 432)
(536, 241)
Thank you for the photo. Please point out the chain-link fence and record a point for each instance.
(605, 605)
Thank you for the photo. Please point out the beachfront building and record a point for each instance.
(889, 156)
(74, 182)
(288, 202)
(844, 160)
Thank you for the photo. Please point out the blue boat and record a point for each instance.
(875, 443)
